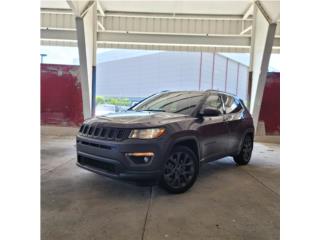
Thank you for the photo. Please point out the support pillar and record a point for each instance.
(86, 25)
(261, 48)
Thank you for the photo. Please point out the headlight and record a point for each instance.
(149, 133)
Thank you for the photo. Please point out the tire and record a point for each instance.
(243, 158)
(180, 170)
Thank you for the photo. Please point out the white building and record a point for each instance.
(128, 73)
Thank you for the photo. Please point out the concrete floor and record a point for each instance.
(226, 202)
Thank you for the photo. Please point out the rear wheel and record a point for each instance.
(180, 170)
(245, 154)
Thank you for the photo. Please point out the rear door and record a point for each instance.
(213, 131)
(234, 115)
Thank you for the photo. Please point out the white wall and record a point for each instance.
(143, 75)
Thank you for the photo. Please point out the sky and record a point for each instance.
(69, 55)
(60, 55)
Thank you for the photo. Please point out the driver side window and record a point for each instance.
(231, 105)
(214, 101)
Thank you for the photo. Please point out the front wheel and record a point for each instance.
(244, 156)
(180, 170)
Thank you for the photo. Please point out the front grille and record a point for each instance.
(108, 167)
(94, 144)
(100, 131)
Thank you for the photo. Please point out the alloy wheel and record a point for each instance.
(179, 170)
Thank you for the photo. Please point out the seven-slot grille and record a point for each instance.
(102, 132)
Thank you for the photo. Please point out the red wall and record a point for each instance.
(270, 107)
(61, 101)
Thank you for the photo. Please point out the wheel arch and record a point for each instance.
(188, 141)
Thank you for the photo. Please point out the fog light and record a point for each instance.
(140, 157)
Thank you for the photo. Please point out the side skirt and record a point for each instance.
(215, 158)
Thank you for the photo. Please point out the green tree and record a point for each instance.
(100, 100)
(118, 101)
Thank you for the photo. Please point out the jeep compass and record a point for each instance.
(164, 138)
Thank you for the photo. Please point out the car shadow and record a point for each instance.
(223, 164)
(103, 187)
(206, 172)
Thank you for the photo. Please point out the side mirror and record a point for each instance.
(210, 112)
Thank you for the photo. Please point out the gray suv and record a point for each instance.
(164, 138)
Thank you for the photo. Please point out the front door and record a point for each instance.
(213, 131)
(234, 119)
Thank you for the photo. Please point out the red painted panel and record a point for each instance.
(61, 100)
(270, 107)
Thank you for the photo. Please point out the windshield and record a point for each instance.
(174, 102)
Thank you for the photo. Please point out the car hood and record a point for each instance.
(139, 119)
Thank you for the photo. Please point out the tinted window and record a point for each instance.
(214, 101)
(175, 102)
(231, 105)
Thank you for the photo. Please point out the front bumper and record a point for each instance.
(108, 158)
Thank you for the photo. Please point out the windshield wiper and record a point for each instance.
(154, 110)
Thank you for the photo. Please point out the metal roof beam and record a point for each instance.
(246, 30)
(242, 43)
(248, 12)
(100, 9)
(234, 41)
(55, 34)
(80, 8)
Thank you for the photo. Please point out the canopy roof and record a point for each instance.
(221, 25)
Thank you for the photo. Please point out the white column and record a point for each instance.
(262, 37)
(86, 24)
